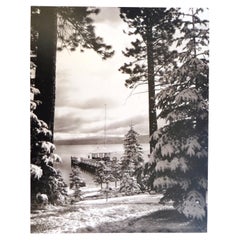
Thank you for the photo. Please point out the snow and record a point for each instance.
(187, 95)
(137, 213)
(95, 214)
(194, 205)
(36, 171)
(164, 182)
(137, 199)
(167, 150)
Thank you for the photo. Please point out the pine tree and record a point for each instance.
(104, 173)
(181, 152)
(116, 170)
(129, 184)
(76, 182)
(153, 28)
(132, 158)
(132, 161)
(45, 179)
(99, 173)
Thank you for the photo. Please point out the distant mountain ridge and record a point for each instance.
(98, 140)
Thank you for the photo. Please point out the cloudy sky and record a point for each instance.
(85, 83)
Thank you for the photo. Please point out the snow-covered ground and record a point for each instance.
(139, 213)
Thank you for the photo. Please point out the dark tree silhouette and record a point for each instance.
(45, 179)
(46, 64)
(152, 25)
(72, 28)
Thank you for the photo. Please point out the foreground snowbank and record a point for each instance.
(139, 213)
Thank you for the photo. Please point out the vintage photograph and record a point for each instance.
(119, 119)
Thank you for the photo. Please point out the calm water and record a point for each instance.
(66, 151)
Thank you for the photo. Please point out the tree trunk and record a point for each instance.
(46, 65)
(151, 84)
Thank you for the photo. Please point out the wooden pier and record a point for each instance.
(86, 164)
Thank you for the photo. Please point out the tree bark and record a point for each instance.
(151, 84)
(46, 65)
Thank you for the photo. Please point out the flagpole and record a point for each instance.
(105, 128)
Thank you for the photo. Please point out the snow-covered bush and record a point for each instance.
(129, 185)
(194, 206)
(42, 199)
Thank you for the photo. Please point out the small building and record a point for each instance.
(101, 153)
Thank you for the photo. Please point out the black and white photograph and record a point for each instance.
(119, 119)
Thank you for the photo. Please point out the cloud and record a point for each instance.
(69, 120)
(108, 15)
(68, 123)
(116, 126)
(94, 103)
(128, 122)
(85, 83)
(86, 122)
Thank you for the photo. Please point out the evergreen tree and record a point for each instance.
(104, 173)
(99, 173)
(181, 152)
(132, 161)
(153, 28)
(129, 184)
(45, 50)
(132, 158)
(45, 179)
(76, 182)
(56, 28)
(116, 170)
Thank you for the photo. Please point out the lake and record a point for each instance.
(66, 151)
